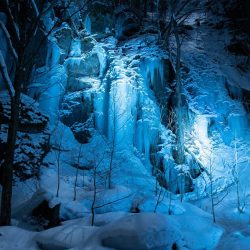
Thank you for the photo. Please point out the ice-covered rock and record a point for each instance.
(83, 66)
(81, 83)
(64, 38)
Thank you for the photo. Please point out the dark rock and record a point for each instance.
(219, 25)
(44, 212)
(41, 54)
(87, 44)
(81, 131)
(246, 99)
(239, 48)
(127, 24)
(234, 92)
(102, 18)
(188, 27)
(51, 245)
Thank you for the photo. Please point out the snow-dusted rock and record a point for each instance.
(138, 231)
(75, 108)
(87, 44)
(32, 137)
(32, 119)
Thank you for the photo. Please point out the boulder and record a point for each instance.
(139, 231)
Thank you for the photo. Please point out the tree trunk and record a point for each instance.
(5, 217)
(94, 200)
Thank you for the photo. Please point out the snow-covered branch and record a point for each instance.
(7, 35)
(13, 26)
(34, 6)
(5, 75)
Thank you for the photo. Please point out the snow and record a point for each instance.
(121, 231)
(197, 223)
(23, 239)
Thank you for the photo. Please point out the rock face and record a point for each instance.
(127, 23)
(83, 67)
(32, 137)
(122, 85)
(102, 18)
(76, 110)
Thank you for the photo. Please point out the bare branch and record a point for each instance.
(7, 35)
(111, 202)
(13, 27)
(5, 75)
(34, 6)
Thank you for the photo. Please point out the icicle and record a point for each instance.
(87, 24)
(53, 54)
(102, 58)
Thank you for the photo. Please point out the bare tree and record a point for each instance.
(235, 172)
(241, 197)
(215, 196)
(94, 193)
(77, 171)
(97, 175)
(210, 175)
(20, 45)
(160, 198)
(58, 161)
(177, 13)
